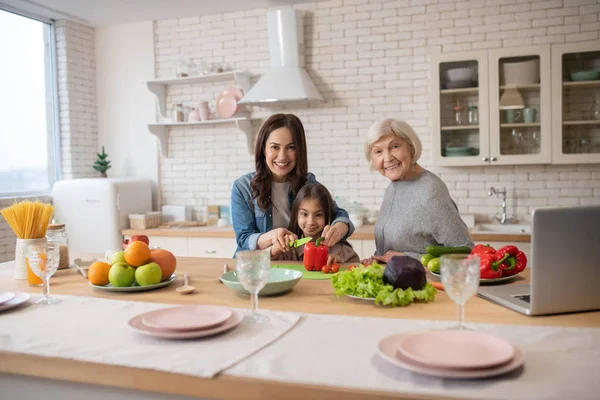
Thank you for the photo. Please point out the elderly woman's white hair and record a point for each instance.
(398, 127)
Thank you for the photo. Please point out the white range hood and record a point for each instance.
(286, 80)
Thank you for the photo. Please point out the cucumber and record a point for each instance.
(437, 251)
(434, 265)
(425, 259)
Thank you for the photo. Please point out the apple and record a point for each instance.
(141, 238)
(148, 274)
(125, 244)
(117, 257)
(121, 275)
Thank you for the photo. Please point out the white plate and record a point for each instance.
(136, 323)
(6, 297)
(111, 288)
(388, 350)
(19, 299)
(361, 298)
(187, 318)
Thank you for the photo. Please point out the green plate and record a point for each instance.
(314, 275)
(585, 76)
(280, 281)
(135, 287)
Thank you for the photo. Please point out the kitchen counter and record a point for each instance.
(307, 297)
(365, 232)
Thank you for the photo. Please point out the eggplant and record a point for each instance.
(405, 272)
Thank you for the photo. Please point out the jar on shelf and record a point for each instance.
(596, 106)
(56, 233)
(473, 115)
(178, 115)
(458, 113)
(182, 68)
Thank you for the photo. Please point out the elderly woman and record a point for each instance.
(417, 210)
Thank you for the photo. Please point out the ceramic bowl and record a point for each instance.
(585, 76)
(280, 280)
(460, 74)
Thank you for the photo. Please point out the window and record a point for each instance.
(28, 106)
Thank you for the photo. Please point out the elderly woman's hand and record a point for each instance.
(386, 257)
(333, 234)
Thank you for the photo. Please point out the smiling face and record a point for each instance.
(311, 217)
(280, 153)
(392, 157)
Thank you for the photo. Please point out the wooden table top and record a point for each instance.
(308, 296)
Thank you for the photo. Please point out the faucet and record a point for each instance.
(493, 191)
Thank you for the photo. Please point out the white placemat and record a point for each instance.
(95, 330)
(332, 350)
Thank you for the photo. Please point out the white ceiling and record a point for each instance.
(113, 12)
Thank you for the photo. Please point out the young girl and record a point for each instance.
(312, 211)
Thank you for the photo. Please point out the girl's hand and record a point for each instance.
(332, 259)
(386, 257)
(333, 234)
(282, 238)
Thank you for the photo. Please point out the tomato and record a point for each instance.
(335, 268)
(350, 268)
(326, 269)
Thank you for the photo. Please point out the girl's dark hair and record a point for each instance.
(261, 183)
(312, 191)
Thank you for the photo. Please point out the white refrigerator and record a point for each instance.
(96, 210)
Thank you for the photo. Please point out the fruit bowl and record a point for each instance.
(280, 280)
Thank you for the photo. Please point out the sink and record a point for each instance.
(500, 228)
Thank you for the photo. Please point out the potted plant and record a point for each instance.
(102, 164)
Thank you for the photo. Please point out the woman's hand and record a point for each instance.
(333, 234)
(282, 238)
(367, 261)
(332, 259)
(386, 257)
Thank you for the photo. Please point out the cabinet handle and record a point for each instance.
(210, 251)
(486, 159)
(494, 158)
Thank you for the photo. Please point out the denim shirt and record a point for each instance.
(250, 221)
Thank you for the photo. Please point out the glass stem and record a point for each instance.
(460, 315)
(46, 287)
(254, 302)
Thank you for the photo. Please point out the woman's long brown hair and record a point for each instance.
(261, 183)
(314, 191)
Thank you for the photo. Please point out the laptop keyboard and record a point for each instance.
(524, 297)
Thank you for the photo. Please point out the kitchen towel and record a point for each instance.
(96, 330)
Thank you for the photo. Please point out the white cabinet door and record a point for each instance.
(176, 245)
(211, 247)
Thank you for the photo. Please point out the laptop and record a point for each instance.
(564, 262)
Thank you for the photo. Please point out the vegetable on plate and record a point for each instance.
(315, 255)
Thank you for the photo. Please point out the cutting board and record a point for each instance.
(314, 275)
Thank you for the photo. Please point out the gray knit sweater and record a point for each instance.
(418, 213)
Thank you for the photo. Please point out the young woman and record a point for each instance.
(312, 211)
(261, 201)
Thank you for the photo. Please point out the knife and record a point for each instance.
(300, 242)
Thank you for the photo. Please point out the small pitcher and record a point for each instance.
(203, 110)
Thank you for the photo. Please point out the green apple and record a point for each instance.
(121, 274)
(117, 257)
(148, 274)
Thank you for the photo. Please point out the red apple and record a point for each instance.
(141, 238)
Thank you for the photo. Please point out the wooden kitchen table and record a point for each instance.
(308, 296)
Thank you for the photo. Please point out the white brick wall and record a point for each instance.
(77, 98)
(369, 60)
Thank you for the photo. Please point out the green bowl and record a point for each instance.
(280, 280)
(585, 76)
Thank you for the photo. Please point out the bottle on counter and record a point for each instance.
(56, 233)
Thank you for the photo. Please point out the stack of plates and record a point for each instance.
(452, 354)
(459, 151)
(10, 300)
(186, 322)
(227, 102)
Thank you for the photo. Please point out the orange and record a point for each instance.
(98, 273)
(137, 253)
(165, 260)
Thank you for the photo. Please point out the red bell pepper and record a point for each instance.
(315, 255)
(489, 267)
(515, 260)
(483, 249)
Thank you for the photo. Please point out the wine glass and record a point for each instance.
(252, 268)
(460, 277)
(43, 261)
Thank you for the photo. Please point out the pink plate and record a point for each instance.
(456, 349)
(19, 299)
(186, 318)
(233, 91)
(138, 326)
(388, 349)
(6, 296)
(226, 106)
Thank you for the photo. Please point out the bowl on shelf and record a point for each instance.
(459, 151)
(585, 76)
(464, 74)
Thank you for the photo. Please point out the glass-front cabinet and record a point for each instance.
(576, 95)
(459, 108)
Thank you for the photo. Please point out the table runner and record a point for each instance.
(95, 330)
(335, 350)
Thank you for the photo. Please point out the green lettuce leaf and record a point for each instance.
(368, 283)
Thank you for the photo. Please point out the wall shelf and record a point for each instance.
(583, 122)
(460, 128)
(520, 125)
(159, 130)
(533, 86)
(581, 84)
(469, 90)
